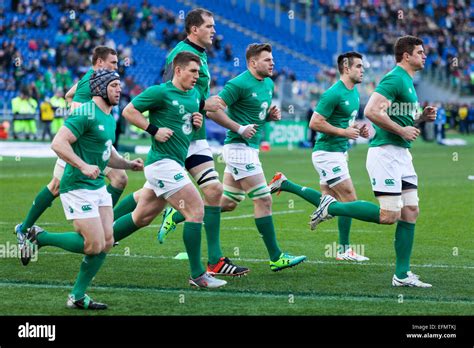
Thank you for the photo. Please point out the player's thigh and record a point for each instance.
(188, 201)
(148, 207)
(207, 179)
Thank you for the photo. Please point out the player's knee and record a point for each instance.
(94, 247)
(231, 198)
(143, 221)
(53, 186)
(119, 180)
(388, 217)
(228, 205)
(264, 203)
(196, 214)
(109, 243)
(410, 213)
(213, 193)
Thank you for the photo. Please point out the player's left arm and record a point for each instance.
(118, 162)
(274, 114)
(428, 114)
(70, 94)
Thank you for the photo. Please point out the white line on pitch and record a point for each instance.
(318, 262)
(232, 293)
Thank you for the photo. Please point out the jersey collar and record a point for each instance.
(193, 45)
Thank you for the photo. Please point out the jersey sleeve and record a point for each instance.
(83, 92)
(149, 99)
(389, 86)
(327, 104)
(77, 122)
(230, 93)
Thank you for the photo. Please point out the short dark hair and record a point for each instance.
(194, 18)
(405, 44)
(254, 50)
(183, 58)
(102, 52)
(347, 59)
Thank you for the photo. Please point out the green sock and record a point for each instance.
(126, 205)
(89, 267)
(42, 201)
(344, 224)
(267, 231)
(178, 217)
(307, 193)
(360, 210)
(124, 227)
(192, 242)
(115, 193)
(70, 241)
(404, 236)
(212, 224)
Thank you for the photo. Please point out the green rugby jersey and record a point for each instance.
(83, 91)
(248, 100)
(202, 84)
(339, 106)
(172, 108)
(95, 133)
(397, 86)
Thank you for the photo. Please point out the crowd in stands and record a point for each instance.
(60, 60)
(445, 26)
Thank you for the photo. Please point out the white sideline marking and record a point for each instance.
(248, 294)
(317, 262)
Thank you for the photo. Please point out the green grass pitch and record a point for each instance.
(140, 276)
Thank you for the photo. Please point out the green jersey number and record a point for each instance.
(187, 126)
(106, 154)
(263, 114)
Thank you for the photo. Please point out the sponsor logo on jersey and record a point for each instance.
(346, 102)
(101, 127)
(389, 182)
(175, 102)
(254, 95)
(86, 207)
(250, 167)
(179, 177)
(336, 169)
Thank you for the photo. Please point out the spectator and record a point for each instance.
(440, 123)
(46, 116)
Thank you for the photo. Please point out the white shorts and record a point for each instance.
(199, 147)
(241, 161)
(59, 168)
(165, 177)
(331, 167)
(390, 169)
(84, 204)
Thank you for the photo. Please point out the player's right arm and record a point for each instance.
(319, 124)
(147, 100)
(62, 146)
(376, 111)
